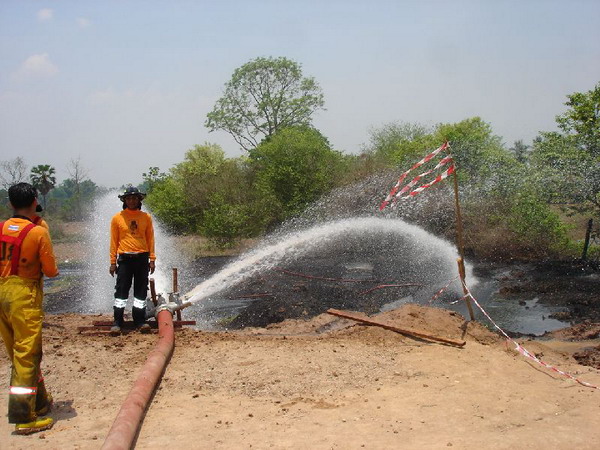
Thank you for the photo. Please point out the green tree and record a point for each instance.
(521, 151)
(74, 199)
(199, 173)
(42, 177)
(477, 151)
(263, 96)
(235, 208)
(582, 120)
(151, 178)
(566, 174)
(210, 194)
(567, 164)
(168, 202)
(179, 198)
(294, 168)
(396, 143)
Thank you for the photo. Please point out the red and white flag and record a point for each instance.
(406, 192)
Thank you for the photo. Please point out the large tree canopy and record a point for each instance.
(263, 96)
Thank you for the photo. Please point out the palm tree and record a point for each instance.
(43, 179)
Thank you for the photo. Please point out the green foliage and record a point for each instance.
(263, 96)
(504, 210)
(399, 143)
(558, 167)
(477, 152)
(73, 201)
(210, 194)
(521, 151)
(151, 178)
(224, 222)
(199, 173)
(294, 168)
(582, 120)
(506, 193)
(168, 203)
(43, 179)
(568, 164)
(535, 223)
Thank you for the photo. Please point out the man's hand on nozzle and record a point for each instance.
(112, 270)
(151, 266)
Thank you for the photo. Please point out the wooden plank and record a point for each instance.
(105, 331)
(100, 323)
(364, 319)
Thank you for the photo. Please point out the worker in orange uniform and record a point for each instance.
(26, 255)
(131, 258)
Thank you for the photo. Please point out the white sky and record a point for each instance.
(125, 85)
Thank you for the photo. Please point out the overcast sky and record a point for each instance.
(125, 85)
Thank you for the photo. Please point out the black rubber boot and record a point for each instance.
(139, 318)
(118, 324)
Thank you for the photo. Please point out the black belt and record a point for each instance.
(134, 255)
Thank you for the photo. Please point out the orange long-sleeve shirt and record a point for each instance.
(41, 222)
(37, 254)
(131, 232)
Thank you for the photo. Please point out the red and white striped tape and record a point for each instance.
(437, 179)
(438, 293)
(523, 351)
(406, 188)
(518, 347)
(396, 192)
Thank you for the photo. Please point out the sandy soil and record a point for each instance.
(323, 383)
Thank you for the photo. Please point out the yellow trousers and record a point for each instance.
(21, 316)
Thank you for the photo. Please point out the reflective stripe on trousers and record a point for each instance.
(21, 318)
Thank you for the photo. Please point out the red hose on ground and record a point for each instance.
(127, 423)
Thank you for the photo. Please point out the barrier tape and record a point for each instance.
(396, 187)
(522, 350)
(437, 179)
(442, 163)
(440, 292)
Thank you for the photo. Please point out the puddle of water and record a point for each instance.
(531, 317)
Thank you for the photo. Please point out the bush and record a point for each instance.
(294, 168)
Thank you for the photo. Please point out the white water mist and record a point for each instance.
(433, 254)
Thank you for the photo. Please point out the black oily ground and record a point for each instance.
(304, 291)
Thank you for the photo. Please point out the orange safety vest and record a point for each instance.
(15, 251)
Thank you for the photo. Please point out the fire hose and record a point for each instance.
(125, 428)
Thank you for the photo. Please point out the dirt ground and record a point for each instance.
(323, 383)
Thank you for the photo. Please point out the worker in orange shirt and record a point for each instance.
(26, 255)
(131, 258)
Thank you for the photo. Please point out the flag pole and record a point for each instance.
(460, 244)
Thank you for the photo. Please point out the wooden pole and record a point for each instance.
(460, 244)
(418, 334)
(176, 289)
